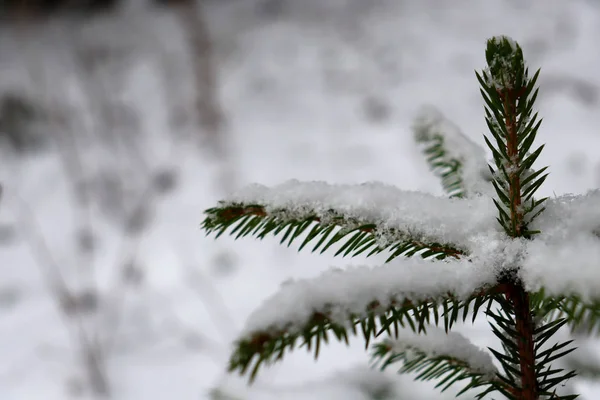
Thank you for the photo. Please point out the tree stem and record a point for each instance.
(516, 293)
(512, 143)
(525, 343)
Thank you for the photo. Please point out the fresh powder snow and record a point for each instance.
(342, 293)
(308, 127)
(420, 216)
(564, 257)
(436, 342)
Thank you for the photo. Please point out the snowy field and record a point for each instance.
(320, 90)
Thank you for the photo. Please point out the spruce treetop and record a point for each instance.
(492, 249)
(506, 66)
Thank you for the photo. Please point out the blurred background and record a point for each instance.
(122, 120)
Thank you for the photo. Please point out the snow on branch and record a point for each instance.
(459, 162)
(569, 215)
(448, 356)
(564, 258)
(562, 262)
(340, 293)
(564, 269)
(374, 216)
(404, 292)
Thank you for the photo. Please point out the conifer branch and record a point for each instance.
(509, 96)
(362, 301)
(508, 327)
(447, 356)
(361, 237)
(510, 272)
(371, 218)
(453, 157)
(581, 316)
(266, 347)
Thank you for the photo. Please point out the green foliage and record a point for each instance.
(449, 170)
(524, 322)
(582, 317)
(443, 164)
(449, 370)
(447, 150)
(270, 345)
(506, 64)
(361, 236)
(503, 324)
(509, 95)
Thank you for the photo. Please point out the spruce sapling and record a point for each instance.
(493, 246)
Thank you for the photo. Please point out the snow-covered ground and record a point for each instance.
(324, 91)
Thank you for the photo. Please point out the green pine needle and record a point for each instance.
(355, 237)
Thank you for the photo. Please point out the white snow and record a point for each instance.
(341, 293)
(421, 216)
(564, 258)
(569, 215)
(436, 342)
(431, 123)
(569, 268)
(292, 88)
